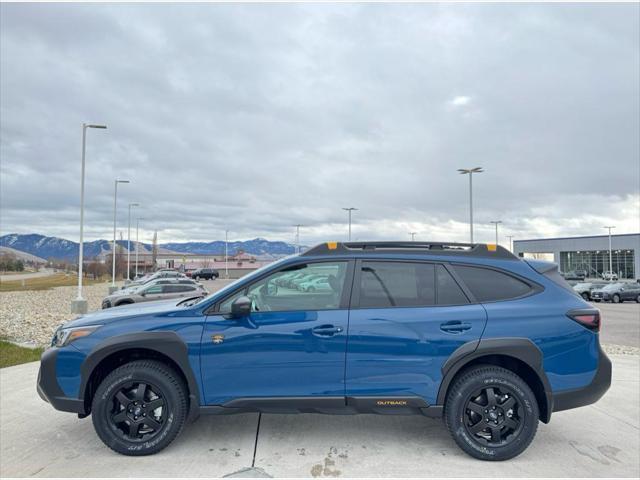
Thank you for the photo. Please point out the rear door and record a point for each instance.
(407, 318)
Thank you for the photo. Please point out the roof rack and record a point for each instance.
(423, 248)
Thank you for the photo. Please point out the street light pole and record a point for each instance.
(496, 223)
(137, 244)
(510, 237)
(609, 227)
(226, 254)
(80, 304)
(113, 249)
(349, 209)
(298, 236)
(470, 172)
(129, 242)
(413, 236)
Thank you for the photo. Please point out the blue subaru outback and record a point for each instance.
(469, 332)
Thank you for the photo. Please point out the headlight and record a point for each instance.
(64, 336)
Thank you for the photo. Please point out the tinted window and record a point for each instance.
(449, 292)
(154, 289)
(489, 285)
(397, 284)
(318, 286)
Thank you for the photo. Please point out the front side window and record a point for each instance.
(397, 284)
(314, 286)
(489, 285)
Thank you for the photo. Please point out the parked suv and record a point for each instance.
(584, 288)
(617, 292)
(469, 332)
(205, 274)
(162, 289)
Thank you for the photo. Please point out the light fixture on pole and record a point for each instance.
(129, 242)
(298, 236)
(113, 248)
(413, 236)
(610, 227)
(137, 244)
(496, 223)
(470, 172)
(349, 209)
(79, 305)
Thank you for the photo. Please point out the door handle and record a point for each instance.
(455, 326)
(326, 330)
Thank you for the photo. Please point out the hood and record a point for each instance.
(109, 315)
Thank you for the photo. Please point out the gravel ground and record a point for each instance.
(32, 316)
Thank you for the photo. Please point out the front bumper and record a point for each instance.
(48, 387)
(580, 397)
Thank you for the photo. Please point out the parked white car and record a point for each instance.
(608, 275)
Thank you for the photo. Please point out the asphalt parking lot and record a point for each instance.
(620, 323)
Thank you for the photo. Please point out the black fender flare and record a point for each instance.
(522, 349)
(167, 343)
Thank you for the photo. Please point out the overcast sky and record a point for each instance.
(257, 117)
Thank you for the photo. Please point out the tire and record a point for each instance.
(516, 424)
(585, 295)
(197, 277)
(162, 387)
(616, 298)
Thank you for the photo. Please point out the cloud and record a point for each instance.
(255, 117)
(460, 101)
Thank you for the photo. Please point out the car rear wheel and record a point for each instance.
(140, 408)
(491, 413)
(638, 299)
(585, 295)
(616, 298)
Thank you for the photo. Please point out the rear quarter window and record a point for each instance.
(489, 285)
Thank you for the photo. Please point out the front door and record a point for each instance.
(407, 319)
(291, 345)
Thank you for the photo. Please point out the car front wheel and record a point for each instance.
(491, 413)
(585, 295)
(139, 408)
(616, 298)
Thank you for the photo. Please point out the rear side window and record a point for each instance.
(449, 292)
(396, 284)
(490, 285)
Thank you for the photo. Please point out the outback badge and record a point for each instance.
(217, 339)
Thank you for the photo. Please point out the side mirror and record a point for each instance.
(241, 307)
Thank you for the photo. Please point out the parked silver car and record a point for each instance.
(584, 288)
(161, 289)
(150, 277)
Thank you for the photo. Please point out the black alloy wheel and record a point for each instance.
(138, 411)
(491, 413)
(493, 416)
(140, 407)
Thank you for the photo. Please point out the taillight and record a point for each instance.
(589, 318)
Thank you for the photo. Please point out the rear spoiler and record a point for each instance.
(541, 266)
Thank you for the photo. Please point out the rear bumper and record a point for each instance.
(590, 394)
(48, 387)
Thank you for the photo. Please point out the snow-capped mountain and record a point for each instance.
(60, 248)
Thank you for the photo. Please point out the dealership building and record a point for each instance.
(587, 253)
